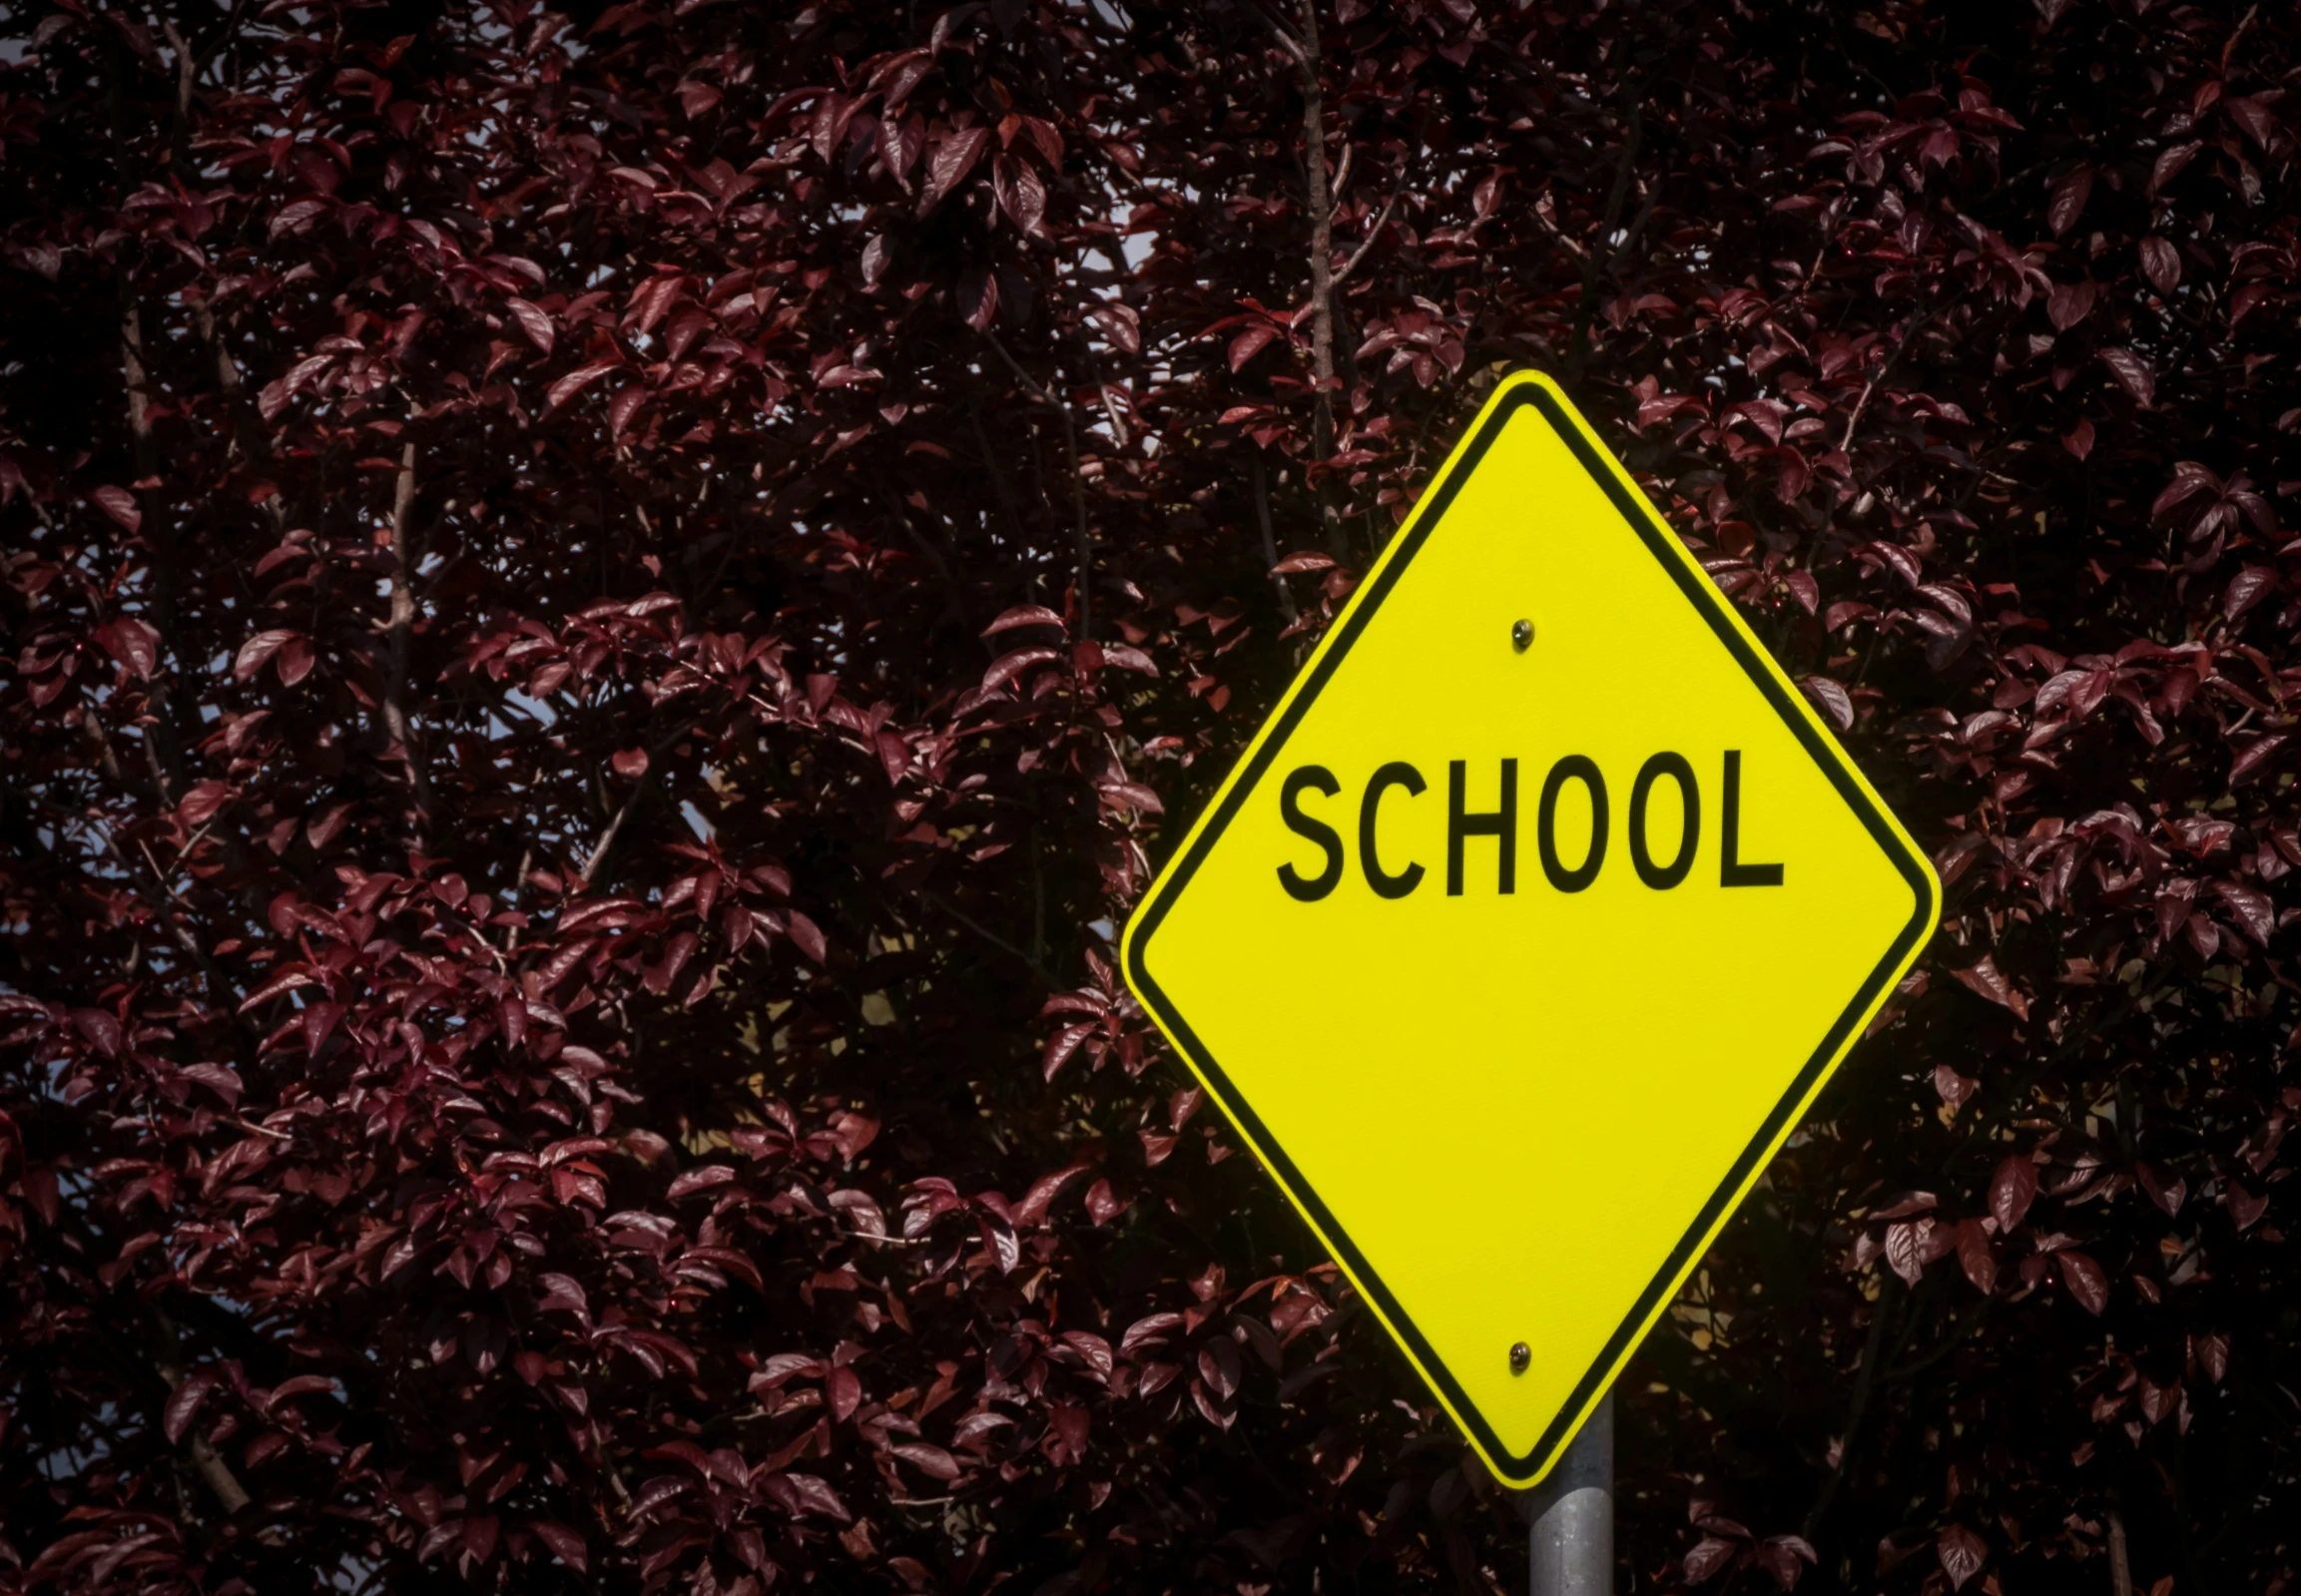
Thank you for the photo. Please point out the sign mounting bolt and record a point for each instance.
(1522, 635)
(1521, 1356)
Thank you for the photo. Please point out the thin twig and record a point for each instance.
(1262, 493)
(655, 751)
(223, 990)
(956, 595)
(1084, 552)
(1557, 234)
(1892, 360)
(1110, 407)
(1380, 221)
(890, 1240)
(1006, 505)
(614, 828)
(989, 935)
(1586, 308)
(168, 879)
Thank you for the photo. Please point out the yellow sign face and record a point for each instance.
(1529, 926)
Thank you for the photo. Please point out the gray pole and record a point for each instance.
(1572, 1514)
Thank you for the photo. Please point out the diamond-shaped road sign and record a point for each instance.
(1529, 926)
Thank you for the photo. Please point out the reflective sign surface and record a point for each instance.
(1528, 926)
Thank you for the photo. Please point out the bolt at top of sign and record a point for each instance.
(1528, 926)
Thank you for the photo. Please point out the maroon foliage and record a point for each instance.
(607, 609)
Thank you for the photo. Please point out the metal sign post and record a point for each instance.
(1572, 1515)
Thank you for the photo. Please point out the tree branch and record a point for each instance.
(1321, 210)
(229, 1494)
(168, 723)
(401, 630)
(1864, 1380)
(1291, 45)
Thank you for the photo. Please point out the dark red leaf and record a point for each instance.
(1009, 666)
(534, 322)
(2170, 163)
(2252, 911)
(2253, 113)
(1975, 1256)
(810, 940)
(2086, 1281)
(120, 504)
(1904, 1241)
(1102, 1203)
(184, 1402)
(1836, 705)
(2161, 263)
(2011, 1190)
(565, 1544)
(1984, 980)
(1024, 615)
(2070, 304)
(2068, 201)
(950, 161)
(697, 1180)
(803, 1494)
(568, 386)
(932, 1462)
(2167, 1195)
(2245, 1209)
(1708, 1556)
(133, 643)
(257, 651)
(2133, 374)
(1963, 1553)
(842, 1392)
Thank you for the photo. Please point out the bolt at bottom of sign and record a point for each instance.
(1521, 1357)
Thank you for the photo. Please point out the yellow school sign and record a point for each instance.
(1528, 926)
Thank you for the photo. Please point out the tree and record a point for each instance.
(608, 608)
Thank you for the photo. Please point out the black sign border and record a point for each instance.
(1663, 544)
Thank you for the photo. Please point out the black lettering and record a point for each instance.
(1501, 824)
(1731, 871)
(1290, 811)
(1395, 773)
(1661, 878)
(1574, 768)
